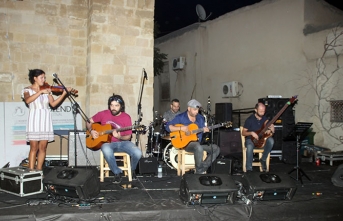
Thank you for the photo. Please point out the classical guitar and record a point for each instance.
(262, 136)
(105, 134)
(180, 139)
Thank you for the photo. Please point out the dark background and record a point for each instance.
(172, 15)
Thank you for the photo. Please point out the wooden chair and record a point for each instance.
(259, 151)
(120, 156)
(182, 165)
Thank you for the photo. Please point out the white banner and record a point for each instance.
(13, 133)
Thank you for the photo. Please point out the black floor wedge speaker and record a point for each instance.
(337, 177)
(270, 186)
(196, 189)
(82, 183)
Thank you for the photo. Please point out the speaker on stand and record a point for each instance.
(223, 112)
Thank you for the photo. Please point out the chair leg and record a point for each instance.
(244, 163)
(268, 162)
(179, 160)
(101, 167)
(128, 162)
(183, 162)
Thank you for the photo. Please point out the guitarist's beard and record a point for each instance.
(115, 112)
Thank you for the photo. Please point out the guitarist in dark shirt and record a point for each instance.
(252, 125)
(181, 123)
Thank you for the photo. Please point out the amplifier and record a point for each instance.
(83, 156)
(221, 166)
(147, 165)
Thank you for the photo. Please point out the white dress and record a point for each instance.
(39, 123)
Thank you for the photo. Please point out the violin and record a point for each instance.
(57, 89)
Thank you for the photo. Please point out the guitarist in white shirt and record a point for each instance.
(252, 125)
(120, 141)
(181, 123)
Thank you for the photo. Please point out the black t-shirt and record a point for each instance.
(254, 124)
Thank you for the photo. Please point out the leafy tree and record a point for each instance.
(159, 57)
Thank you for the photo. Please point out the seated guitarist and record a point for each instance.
(254, 123)
(189, 117)
(120, 141)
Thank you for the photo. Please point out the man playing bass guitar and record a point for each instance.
(252, 125)
(181, 123)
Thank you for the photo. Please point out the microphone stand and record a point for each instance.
(76, 109)
(211, 123)
(139, 117)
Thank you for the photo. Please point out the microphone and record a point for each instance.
(145, 75)
(54, 75)
(208, 104)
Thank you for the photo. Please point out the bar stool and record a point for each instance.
(182, 165)
(120, 157)
(259, 151)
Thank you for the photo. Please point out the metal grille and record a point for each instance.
(336, 111)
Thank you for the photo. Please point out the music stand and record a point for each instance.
(300, 131)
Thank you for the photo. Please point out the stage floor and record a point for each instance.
(152, 198)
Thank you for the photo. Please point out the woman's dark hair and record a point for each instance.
(34, 73)
(119, 99)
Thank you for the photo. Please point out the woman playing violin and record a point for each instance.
(39, 130)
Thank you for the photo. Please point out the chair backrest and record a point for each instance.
(242, 138)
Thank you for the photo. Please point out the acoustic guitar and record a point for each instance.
(262, 136)
(105, 134)
(180, 139)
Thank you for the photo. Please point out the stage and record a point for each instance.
(152, 198)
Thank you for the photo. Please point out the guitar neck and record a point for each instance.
(118, 130)
(202, 130)
(275, 118)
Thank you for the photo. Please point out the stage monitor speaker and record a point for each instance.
(229, 142)
(147, 165)
(223, 112)
(270, 186)
(197, 189)
(84, 156)
(337, 177)
(82, 183)
(221, 166)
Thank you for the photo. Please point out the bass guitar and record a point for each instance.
(180, 139)
(105, 134)
(262, 136)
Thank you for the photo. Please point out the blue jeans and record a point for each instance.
(250, 147)
(108, 149)
(198, 150)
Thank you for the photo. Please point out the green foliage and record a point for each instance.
(159, 58)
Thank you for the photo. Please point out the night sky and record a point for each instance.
(172, 15)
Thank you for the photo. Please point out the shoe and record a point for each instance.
(133, 174)
(117, 179)
(264, 165)
(249, 171)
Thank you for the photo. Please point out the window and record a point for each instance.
(336, 111)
